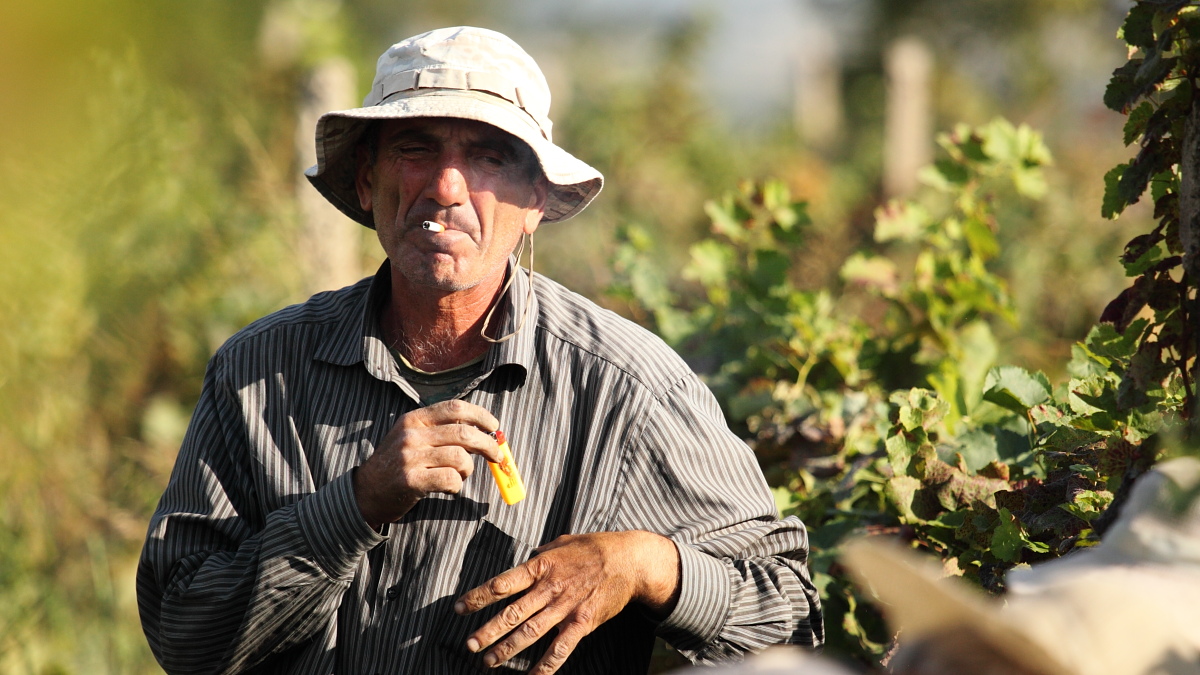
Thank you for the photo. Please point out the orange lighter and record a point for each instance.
(512, 489)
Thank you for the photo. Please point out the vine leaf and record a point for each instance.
(1016, 389)
(1122, 89)
(1125, 307)
(1138, 29)
(1136, 124)
(1006, 540)
(1153, 158)
(1113, 204)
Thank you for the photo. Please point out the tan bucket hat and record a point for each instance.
(463, 72)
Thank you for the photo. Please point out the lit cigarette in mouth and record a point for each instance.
(432, 226)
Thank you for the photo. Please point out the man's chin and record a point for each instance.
(435, 279)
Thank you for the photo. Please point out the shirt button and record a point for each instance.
(392, 593)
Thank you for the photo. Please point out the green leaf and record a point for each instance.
(710, 263)
(1153, 158)
(978, 449)
(979, 353)
(1085, 364)
(1106, 341)
(900, 220)
(785, 500)
(1138, 29)
(921, 408)
(1154, 70)
(900, 452)
(1007, 539)
(954, 173)
(981, 238)
(1113, 203)
(724, 216)
(1136, 124)
(770, 269)
(1069, 439)
(953, 519)
(900, 491)
(1015, 388)
(775, 194)
(1087, 505)
(873, 272)
(1122, 90)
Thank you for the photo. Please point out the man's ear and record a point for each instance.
(362, 179)
(537, 208)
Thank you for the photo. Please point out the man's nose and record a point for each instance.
(448, 185)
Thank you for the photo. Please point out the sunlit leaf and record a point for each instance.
(875, 272)
(1015, 388)
(898, 220)
(1007, 540)
(710, 263)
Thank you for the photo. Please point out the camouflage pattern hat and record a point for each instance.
(466, 73)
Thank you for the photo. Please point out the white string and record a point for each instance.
(508, 284)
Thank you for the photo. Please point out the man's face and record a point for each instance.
(470, 177)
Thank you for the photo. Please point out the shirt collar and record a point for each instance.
(357, 336)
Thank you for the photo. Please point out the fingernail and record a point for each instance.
(473, 645)
(489, 660)
(460, 608)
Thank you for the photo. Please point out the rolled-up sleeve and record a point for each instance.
(745, 583)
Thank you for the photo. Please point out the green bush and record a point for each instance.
(879, 408)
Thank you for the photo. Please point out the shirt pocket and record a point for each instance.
(490, 551)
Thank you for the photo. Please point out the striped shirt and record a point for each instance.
(257, 558)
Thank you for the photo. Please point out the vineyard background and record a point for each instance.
(924, 360)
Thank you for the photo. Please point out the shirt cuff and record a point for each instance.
(703, 605)
(334, 527)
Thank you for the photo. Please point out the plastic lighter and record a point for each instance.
(508, 479)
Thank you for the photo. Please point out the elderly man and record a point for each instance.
(330, 511)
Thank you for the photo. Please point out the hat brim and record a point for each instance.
(573, 183)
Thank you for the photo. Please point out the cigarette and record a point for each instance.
(512, 488)
(432, 226)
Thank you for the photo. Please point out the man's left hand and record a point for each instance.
(574, 584)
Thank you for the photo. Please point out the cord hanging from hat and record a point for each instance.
(503, 291)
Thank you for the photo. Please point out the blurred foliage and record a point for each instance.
(148, 192)
(123, 263)
(894, 417)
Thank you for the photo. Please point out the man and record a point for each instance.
(329, 511)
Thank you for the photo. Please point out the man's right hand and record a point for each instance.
(428, 450)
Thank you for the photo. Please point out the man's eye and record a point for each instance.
(491, 159)
(413, 150)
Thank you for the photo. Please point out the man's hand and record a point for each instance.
(574, 584)
(428, 450)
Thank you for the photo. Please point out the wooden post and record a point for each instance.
(330, 244)
(908, 128)
(817, 104)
